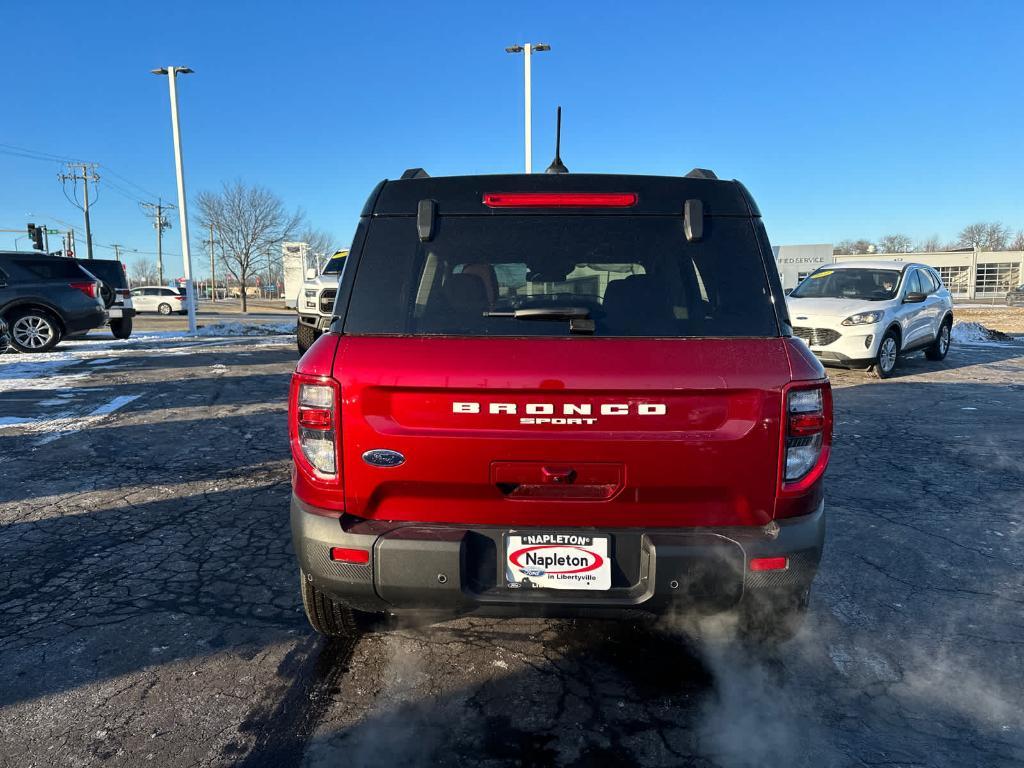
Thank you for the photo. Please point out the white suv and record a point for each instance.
(866, 313)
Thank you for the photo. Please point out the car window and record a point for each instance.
(914, 283)
(110, 272)
(50, 269)
(633, 276)
(928, 278)
(851, 283)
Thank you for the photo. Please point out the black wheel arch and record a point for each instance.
(895, 328)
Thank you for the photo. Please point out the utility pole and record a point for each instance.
(161, 223)
(117, 250)
(213, 273)
(88, 174)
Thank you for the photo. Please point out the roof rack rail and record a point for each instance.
(415, 173)
(700, 173)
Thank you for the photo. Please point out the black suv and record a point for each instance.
(44, 298)
(115, 294)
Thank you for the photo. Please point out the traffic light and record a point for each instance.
(36, 236)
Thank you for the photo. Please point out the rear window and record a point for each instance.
(50, 269)
(633, 276)
(110, 272)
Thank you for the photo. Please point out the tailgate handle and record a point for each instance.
(560, 475)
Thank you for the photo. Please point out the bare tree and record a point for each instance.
(250, 224)
(985, 236)
(896, 243)
(930, 245)
(1018, 241)
(320, 242)
(143, 272)
(848, 247)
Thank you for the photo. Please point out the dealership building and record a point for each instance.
(969, 275)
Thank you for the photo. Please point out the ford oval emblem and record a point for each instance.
(382, 457)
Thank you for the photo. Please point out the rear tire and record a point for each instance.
(164, 309)
(305, 335)
(33, 330)
(121, 327)
(888, 352)
(937, 351)
(326, 616)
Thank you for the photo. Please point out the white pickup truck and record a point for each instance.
(315, 303)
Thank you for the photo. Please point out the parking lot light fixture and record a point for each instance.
(526, 49)
(186, 256)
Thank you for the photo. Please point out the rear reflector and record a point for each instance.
(315, 418)
(803, 424)
(346, 555)
(560, 199)
(769, 564)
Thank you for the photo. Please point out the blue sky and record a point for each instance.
(843, 119)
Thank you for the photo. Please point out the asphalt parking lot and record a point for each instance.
(149, 613)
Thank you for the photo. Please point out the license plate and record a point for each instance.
(557, 561)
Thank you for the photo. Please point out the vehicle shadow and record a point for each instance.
(100, 590)
(959, 356)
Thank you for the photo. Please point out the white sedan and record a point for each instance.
(867, 313)
(158, 298)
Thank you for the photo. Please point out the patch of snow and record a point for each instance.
(10, 421)
(118, 402)
(36, 371)
(976, 333)
(242, 329)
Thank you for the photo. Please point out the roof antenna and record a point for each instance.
(556, 164)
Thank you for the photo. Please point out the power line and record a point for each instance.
(34, 154)
(160, 223)
(129, 182)
(88, 174)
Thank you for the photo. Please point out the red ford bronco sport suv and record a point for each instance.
(559, 394)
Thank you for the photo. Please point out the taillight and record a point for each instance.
(314, 430)
(808, 436)
(124, 293)
(180, 298)
(89, 289)
(560, 199)
(315, 413)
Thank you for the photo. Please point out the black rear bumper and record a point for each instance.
(455, 569)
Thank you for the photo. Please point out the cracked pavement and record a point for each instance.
(149, 610)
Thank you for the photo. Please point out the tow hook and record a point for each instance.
(771, 530)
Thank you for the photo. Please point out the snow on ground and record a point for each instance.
(241, 329)
(978, 334)
(45, 370)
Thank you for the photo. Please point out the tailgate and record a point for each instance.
(564, 431)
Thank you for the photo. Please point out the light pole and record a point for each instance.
(186, 257)
(526, 49)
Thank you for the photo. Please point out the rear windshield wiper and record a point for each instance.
(578, 317)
